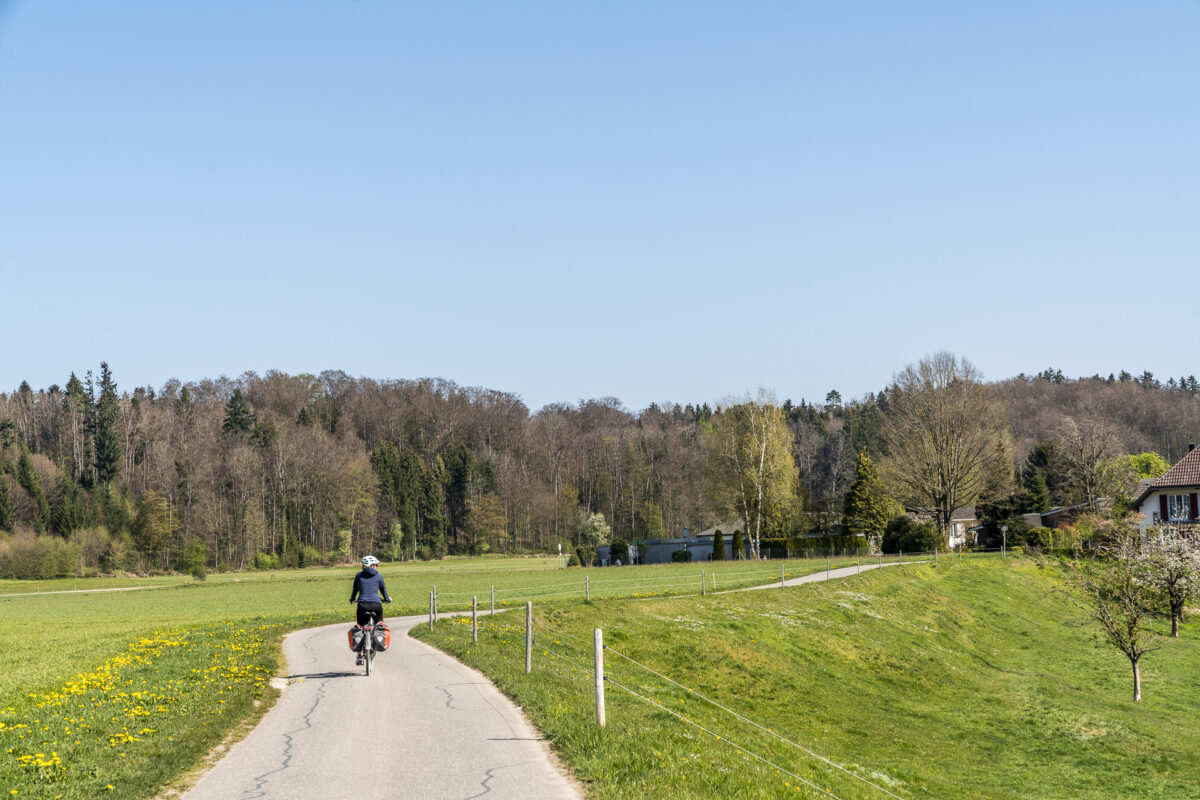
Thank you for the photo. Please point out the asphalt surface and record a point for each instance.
(422, 726)
(816, 577)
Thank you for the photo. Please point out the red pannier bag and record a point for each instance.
(355, 637)
(383, 636)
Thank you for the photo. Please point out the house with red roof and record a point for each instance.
(1173, 499)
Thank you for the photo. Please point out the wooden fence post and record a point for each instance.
(702, 585)
(599, 645)
(431, 609)
(474, 620)
(528, 636)
(587, 587)
(493, 598)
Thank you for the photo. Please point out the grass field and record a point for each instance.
(102, 688)
(967, 680)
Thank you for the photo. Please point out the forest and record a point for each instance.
(273, 470)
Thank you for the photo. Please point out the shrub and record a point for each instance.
(26, 557)
(619, 549)
(816, 546)
(907, 535)
(195, 559)
(425, 553)
(573, 560)
(342, 552)
(718, 553)
(266, 561)
(93, 546)
(681, 556)
(1041, 538)
(392, 549)
(119, 556)
(308, 557)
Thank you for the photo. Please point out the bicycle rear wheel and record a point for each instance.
(368, 656)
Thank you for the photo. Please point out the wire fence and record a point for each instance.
(706, 579)
(573, 658)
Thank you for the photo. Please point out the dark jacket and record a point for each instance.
(369, 588)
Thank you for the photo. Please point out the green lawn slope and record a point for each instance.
(968, 680)
(111, 693)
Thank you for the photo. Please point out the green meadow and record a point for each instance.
(971, 679)
(105, 691)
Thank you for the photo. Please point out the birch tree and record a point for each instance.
(752, 472)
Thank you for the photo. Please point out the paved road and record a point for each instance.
(422, 726)
(840, 572)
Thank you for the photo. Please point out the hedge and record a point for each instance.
(812, 546)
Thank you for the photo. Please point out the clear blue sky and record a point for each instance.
(655, 201)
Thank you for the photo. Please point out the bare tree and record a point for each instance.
(945, 436)
(1085, 449)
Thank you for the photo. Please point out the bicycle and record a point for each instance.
(368, 650)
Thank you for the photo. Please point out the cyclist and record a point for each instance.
(370, 593)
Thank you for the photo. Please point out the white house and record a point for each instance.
(962, 520)
(1175, 497)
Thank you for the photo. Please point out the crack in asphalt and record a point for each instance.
(260, 781)
(449, 694)
(491, 773)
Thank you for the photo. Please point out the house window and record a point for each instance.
(1179, 508)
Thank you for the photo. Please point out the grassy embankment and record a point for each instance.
(130, 689)
(969, 680)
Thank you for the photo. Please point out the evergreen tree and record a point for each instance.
(460, 470)
(6, 505)
(1037, 492)
(77, 406)
(28, 478)
(239, 418)
(107, 437)
(718, 553)
(72, 513)
(432, 507)
(8, 433)
(739, 545)
(153, 524)
(865, 511)
(1036, 478)
(408, 531)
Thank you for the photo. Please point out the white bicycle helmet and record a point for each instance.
(369, 561)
